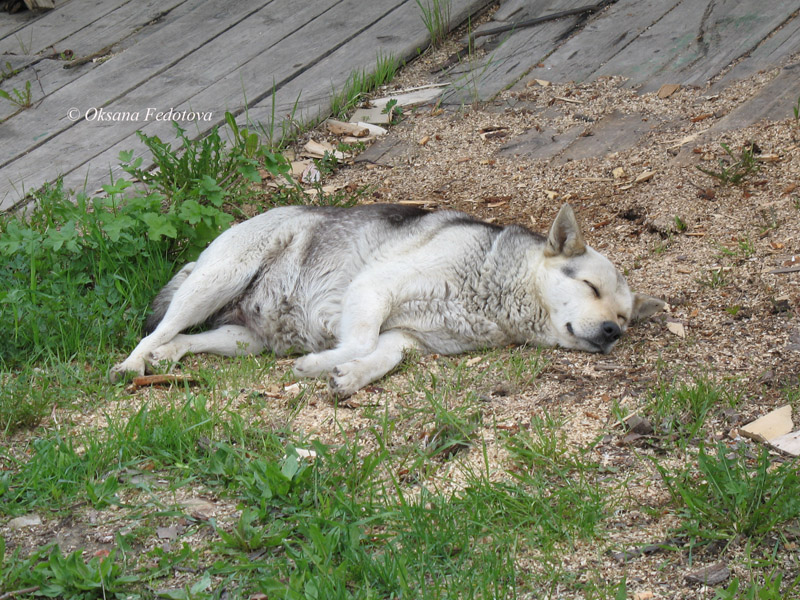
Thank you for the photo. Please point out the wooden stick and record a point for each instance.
(552, 17)
(29, 590)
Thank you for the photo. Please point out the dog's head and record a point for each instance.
(590, 305)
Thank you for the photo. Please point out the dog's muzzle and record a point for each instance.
(607, 335)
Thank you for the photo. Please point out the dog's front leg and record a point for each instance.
(365, 307)
(347, 378)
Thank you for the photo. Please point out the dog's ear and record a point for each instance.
(646, 306)
(565, 237)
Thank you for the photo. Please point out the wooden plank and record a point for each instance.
(733, 29)
(604, 36)
(281, 54)
(398, 33)
(518, 52)
(301, 70)
(123, 84)
(53, 26)
(49, 73)
(544, 144)
(771, 52)
(613, 133)
(772, 425)
(696, 40)
(774, 102)
(10, 24)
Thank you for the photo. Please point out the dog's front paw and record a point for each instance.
(307, 366)
(346, 380)
(169, 353)
(126, 368)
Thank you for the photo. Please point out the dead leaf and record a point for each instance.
(702, 117)
(677, 328)
(342, 128)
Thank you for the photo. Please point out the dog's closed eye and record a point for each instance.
(594, 288)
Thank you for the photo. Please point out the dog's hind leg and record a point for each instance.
(228, 340)
(210, 286)
(349, 377)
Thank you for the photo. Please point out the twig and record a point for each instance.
(551, 17)
(88, 58)
(29, 590)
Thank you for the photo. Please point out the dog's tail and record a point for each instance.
(160, 305)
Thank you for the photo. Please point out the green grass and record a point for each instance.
(732, 494)
(436, 17)
(436, 488)
(361, 82)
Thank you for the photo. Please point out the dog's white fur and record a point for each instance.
(359, 287)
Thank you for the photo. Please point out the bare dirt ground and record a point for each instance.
(710, 250)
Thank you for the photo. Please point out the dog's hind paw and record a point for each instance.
(125, 369)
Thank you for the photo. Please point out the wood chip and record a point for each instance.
(373, 129)
(666, 90)
(770, 426)
(493, 133)
(645, 176)
(425, 140)
(677, 328)
(618, 173)
(342, 128)
(789, 443)
(317, 149)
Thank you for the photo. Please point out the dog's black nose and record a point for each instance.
(611, 331)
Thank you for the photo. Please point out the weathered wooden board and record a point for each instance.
(51, 27)
(773, 103)
(263, 57)
(696, 40)
(518, 52)
(614, 133)
(535, 144)
(278, 53)
(604, 35)
(398, 33)
(10, 24)
(785, 42)
(44, 140)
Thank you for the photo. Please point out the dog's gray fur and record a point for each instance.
(358, 287)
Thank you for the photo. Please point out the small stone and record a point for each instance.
(31, 520)
(711, 575)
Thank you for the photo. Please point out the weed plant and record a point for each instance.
(735, 169)
(20, 98)
(734, 495)
(679, 411)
